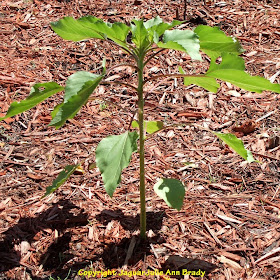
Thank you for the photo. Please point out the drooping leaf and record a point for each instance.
(171, 191)
(181, 40)
(214, 41)
(208, 83)
(231, 69)
(79, 87)
(149, 126)
(113, 154)
(90, 27)
(236, 144)
(61, 178)
(38, 93)
(56, 109)
(76, 81)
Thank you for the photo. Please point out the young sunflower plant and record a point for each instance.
(142, 41)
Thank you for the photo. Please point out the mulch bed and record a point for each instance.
(229, 224)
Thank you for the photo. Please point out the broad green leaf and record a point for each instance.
(140, 35)
(113, 154)
(231, 69)
(71, 29)
(38, 93)
(153, 126)
(236, 144)
(150, 126)
(152, 23)
(214, 41)
(90, 27)
(156, 27)
(56, 109)
(117, 31)
(181, 40)
(76, 81)
(61, 178)
(171, 191)
(79, 87)
(208, 83)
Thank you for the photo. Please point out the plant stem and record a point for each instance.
(140, 64)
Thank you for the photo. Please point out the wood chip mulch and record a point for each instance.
(229, 225)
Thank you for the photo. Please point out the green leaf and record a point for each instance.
(150, 126)
(76, 82)
(144, 34)
(153, 23)
(61, 178)
(231, 69)
(208, 83)
(171, 191)
(79, 87)
(90, 27)
(38, 93)
(236, 144)
(71, 29)
(56, 109)
(156, 27)
(181, 40)
(140, 35)
(214, 41)
(113, 154)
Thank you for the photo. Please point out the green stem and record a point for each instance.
(141, 148)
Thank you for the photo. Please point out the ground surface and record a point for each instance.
(229, 224)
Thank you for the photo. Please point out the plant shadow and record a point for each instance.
(131, 223)
(61, 216)
(57, 258)
(115, 254)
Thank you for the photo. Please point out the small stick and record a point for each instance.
(129, 251)
(265, 116)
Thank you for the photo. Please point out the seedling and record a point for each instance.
(142, 41)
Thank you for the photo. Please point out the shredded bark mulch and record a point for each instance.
(229, 225)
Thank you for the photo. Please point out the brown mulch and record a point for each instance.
(229, 224)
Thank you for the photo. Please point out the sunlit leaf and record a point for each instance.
(90, 27)
(79, 87)
(156, 27)
(171, 191)
(214, 41)
(149, 126)
(236, 144)
(61, 178)
(181, 40)
(38, 93)
(208, 83)
(113, 154)
(76, 82)
(231, 69)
